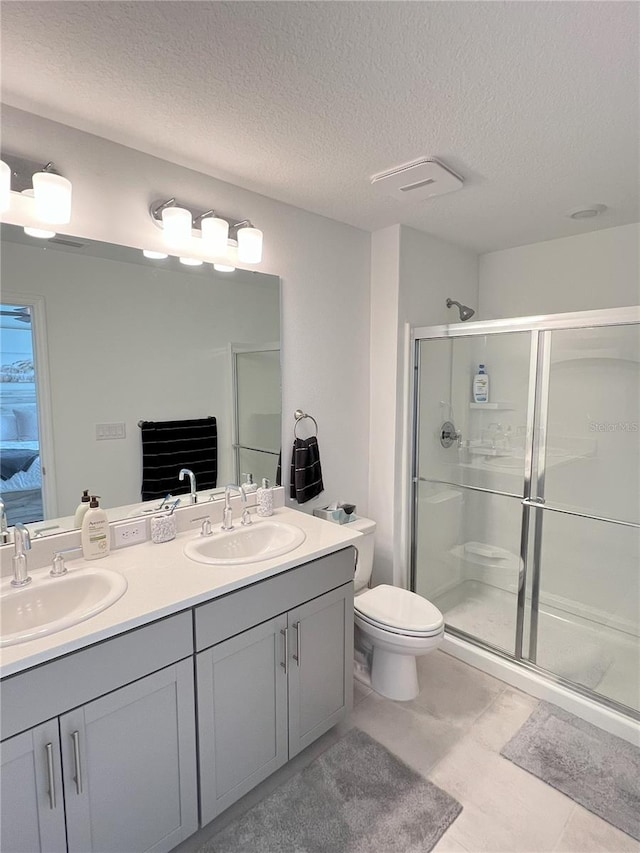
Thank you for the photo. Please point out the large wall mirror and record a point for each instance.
(96, 339)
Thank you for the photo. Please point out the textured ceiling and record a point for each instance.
(535, 104)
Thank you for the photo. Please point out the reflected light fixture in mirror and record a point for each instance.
(191, 262)
(154, 256)
(39, 233)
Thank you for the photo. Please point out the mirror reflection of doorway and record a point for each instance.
(20, 446)
(257, 418)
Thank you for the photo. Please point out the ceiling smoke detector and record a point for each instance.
(417, 181)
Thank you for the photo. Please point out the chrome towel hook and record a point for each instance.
(299, 415)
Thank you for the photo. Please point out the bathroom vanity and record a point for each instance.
(105, 746)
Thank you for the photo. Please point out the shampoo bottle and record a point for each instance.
(95, 532)
(481, 386)
(83, 506)
(265, 500)
(249, 485)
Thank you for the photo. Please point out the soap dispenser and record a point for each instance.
(248, 485)
(265, 499)
(81, 509)
(94, 536)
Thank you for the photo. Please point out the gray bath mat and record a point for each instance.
(594, 768)
(355, 798)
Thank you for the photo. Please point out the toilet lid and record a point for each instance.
(400, 609)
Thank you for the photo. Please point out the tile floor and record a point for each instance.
(452, 733)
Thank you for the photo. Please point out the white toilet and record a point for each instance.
(397, 623)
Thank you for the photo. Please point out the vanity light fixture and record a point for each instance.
(154, 256)
(191, 262)
(50, 192)
(249, 242)
(223, 240)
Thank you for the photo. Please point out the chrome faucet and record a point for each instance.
(227, 514)
(4, 530)
(185, 472)
(22, 542)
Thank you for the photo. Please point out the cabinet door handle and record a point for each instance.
(75, 737)
(285, 634)
(298, 628)
(52, 786)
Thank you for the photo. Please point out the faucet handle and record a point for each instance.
(58, 567)
(246, 517)
(206, 529)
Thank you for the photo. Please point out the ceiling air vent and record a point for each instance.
(417, 181)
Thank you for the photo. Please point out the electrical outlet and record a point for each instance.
(130, 533)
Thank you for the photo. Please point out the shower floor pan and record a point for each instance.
(596, 656)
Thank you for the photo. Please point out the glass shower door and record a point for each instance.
(469, 482)
(584, 536)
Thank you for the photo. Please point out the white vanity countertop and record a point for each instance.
(162, 580)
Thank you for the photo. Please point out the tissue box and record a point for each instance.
(338, 516)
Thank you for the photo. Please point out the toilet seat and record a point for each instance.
(399, 611)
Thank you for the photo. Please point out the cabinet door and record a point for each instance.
(321, 671)
(242, 714)
(31, 792)
(130, 766)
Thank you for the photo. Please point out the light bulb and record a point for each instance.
(52, 194)
(191, 262)
(215, 233)
(5, 186)
(176, 224)
(250, 245)
(231, 256)
(40, 233)
(154, 256)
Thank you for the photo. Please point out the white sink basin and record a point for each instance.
(49, 604)
(261, 540)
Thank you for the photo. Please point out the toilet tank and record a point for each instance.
(365, 552)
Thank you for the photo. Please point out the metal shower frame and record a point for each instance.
(532, 497)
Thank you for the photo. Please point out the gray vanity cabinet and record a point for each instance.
(110, 730)
(266, 693)
(129, 761)
(321, 665)
(31, 788)
(242, 714)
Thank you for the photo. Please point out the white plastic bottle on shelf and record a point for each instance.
(264, 497)
(481, 386)
(95, 535)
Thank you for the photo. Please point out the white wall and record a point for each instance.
(324, 266)
(589, 271)
(412, 275)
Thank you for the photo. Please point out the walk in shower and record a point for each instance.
(526, 508)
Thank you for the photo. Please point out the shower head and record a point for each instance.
(466, 313)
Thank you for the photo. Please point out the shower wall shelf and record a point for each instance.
(494, 407)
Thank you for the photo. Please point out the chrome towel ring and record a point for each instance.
(299, 415)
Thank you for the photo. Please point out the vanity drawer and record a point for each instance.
(233, 613)
(29, 698)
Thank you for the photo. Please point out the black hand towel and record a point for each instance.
(306, 472)
(168, 446)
